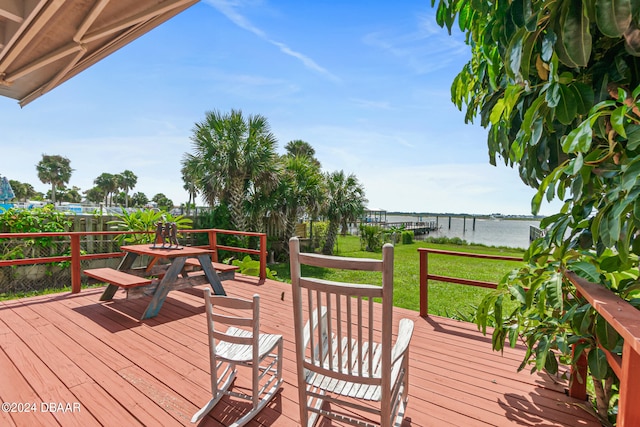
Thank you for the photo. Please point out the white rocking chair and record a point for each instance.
(348, 368)
(241, 344)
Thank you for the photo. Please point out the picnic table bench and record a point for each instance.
(225, 271)
(117, 277)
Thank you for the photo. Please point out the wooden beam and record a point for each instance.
(44, 61)
(90, 19)
(28, 31)
(12, 10)
(141, 17)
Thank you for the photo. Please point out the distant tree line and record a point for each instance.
(110, 189)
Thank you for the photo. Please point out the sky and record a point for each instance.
(365, 83)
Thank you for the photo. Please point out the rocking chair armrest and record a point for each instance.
(405, 332)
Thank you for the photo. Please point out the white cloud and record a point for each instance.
(230, 10)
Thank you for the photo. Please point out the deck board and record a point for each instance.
(125, 371)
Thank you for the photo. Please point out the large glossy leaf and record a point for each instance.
(567, 108)
(541, 353)
(586, 270)
(518, 293)
(607, 335)
(527, 52)
(514, 53)
(613, 16)
(633, 137)
(578, 139)
(548, 41)
(584, 97)
(551, 365)
(553, 95)
(553, 288)
(617, 120)
(597, 361)
(575, 35)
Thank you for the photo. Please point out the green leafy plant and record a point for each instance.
(371, 237)
(394, 233)
(407, 237)
(558, 85)
(144, 220)
(251, 267)
(319, 230)
(36, 220)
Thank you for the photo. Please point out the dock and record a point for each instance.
(418, 227)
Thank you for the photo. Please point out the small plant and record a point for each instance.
(407, 237)
(371, 237)
(394, 233)
(251, 267)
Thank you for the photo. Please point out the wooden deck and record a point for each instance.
(96, 364)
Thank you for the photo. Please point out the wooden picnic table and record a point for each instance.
(157, 279)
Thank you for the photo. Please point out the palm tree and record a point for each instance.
(55, 170)
(346, 201)
(302, 148)
(302, 191)
(22, 190)
(189, 178)
(108, 183)
(233, 160)
(127, 180)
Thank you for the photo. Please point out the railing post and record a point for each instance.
(76, 282)
(263, 257)
(424, 284)
(213, 244)
(628, 408)
(578, 377)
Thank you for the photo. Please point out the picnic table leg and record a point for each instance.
(125, 264)
(210, 273)
(164, 287)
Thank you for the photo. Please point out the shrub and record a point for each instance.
(220, 218)
(371, 237)
(407, 237)
(447, 240)
(144, 220)
(251, 267)
(36, 220)
(319, 231)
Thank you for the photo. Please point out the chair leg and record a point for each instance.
(217, 393)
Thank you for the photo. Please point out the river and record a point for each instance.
(513, 233)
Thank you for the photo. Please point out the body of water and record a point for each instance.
(513, 233)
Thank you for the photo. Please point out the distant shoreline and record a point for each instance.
(467, 215)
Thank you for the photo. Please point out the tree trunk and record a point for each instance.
(236, 197)
(332, 233)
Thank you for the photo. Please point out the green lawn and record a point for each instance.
(445, 299)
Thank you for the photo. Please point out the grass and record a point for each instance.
(445, 299)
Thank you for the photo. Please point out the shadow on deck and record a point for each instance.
(77, 361)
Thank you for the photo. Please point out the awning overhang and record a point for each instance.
(44, 43)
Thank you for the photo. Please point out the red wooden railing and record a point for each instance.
(621, 315)
(76, 256)
(425, 276)
(625, 319)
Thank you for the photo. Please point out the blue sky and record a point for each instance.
(365, 83)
